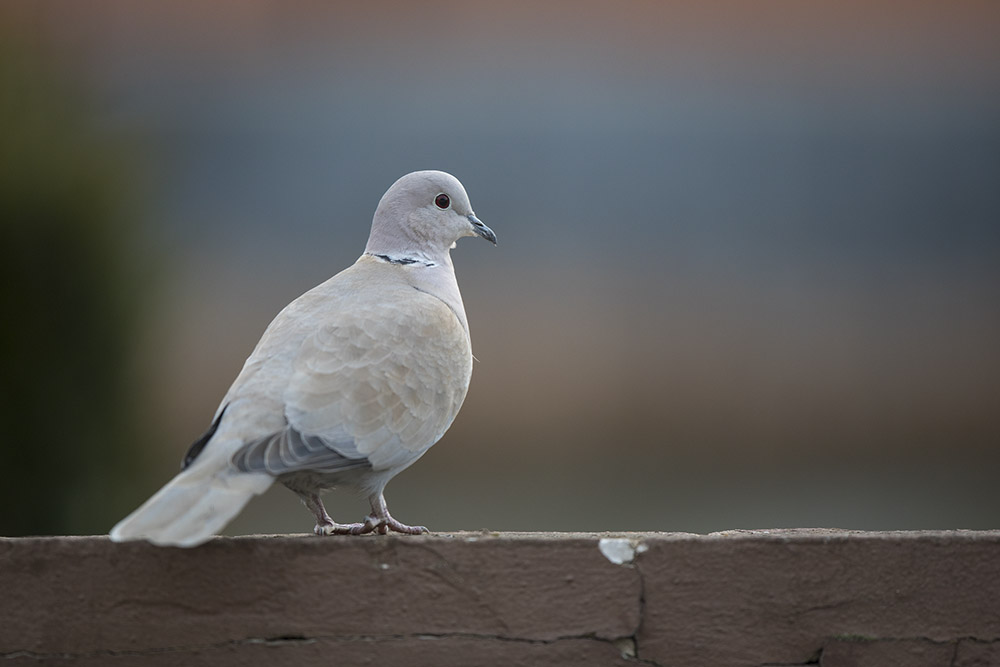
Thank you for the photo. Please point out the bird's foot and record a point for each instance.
(331, 527)
(382, 521)
(388, 523)
(379, 521)
(371, 524)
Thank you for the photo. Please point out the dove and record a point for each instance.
(349, 385)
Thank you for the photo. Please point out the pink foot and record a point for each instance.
(379, 521)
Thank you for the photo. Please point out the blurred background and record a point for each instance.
(748, 272)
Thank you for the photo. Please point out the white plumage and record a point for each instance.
(351, 383)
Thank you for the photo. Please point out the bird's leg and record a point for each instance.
(324, 524)
(379, 520)
(382, 521)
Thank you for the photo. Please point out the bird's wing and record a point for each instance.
(377, 382)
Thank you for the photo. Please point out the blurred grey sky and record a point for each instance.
(749, 260)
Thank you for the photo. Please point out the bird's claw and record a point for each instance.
(334, 528)
(397, 527)
(371, 524)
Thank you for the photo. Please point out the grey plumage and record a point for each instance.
(290, 451)
(351, 383)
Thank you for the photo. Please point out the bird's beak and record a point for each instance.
(482, 230)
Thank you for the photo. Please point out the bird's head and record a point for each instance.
(422, 215)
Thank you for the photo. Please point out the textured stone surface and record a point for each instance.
(975, 653)
(834, 598)
(86, 596)
(758, 597)
(425, 651)
(888, 653)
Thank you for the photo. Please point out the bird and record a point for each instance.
(349, 384)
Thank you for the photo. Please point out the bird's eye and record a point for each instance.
(442, 201)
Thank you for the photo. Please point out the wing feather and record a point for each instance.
(374, 385)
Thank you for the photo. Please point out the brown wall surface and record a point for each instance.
(790, 597)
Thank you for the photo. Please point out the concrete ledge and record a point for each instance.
(788, 597)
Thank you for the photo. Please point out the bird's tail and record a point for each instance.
(191, 507)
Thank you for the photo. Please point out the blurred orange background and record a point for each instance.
(748, 271)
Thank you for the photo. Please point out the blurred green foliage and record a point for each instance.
(70, 285)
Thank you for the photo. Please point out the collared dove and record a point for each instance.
(350, 384)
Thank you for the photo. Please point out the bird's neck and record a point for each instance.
(415, 259)
(402, 249)
(431, 275)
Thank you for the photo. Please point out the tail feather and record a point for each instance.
(191, 508)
